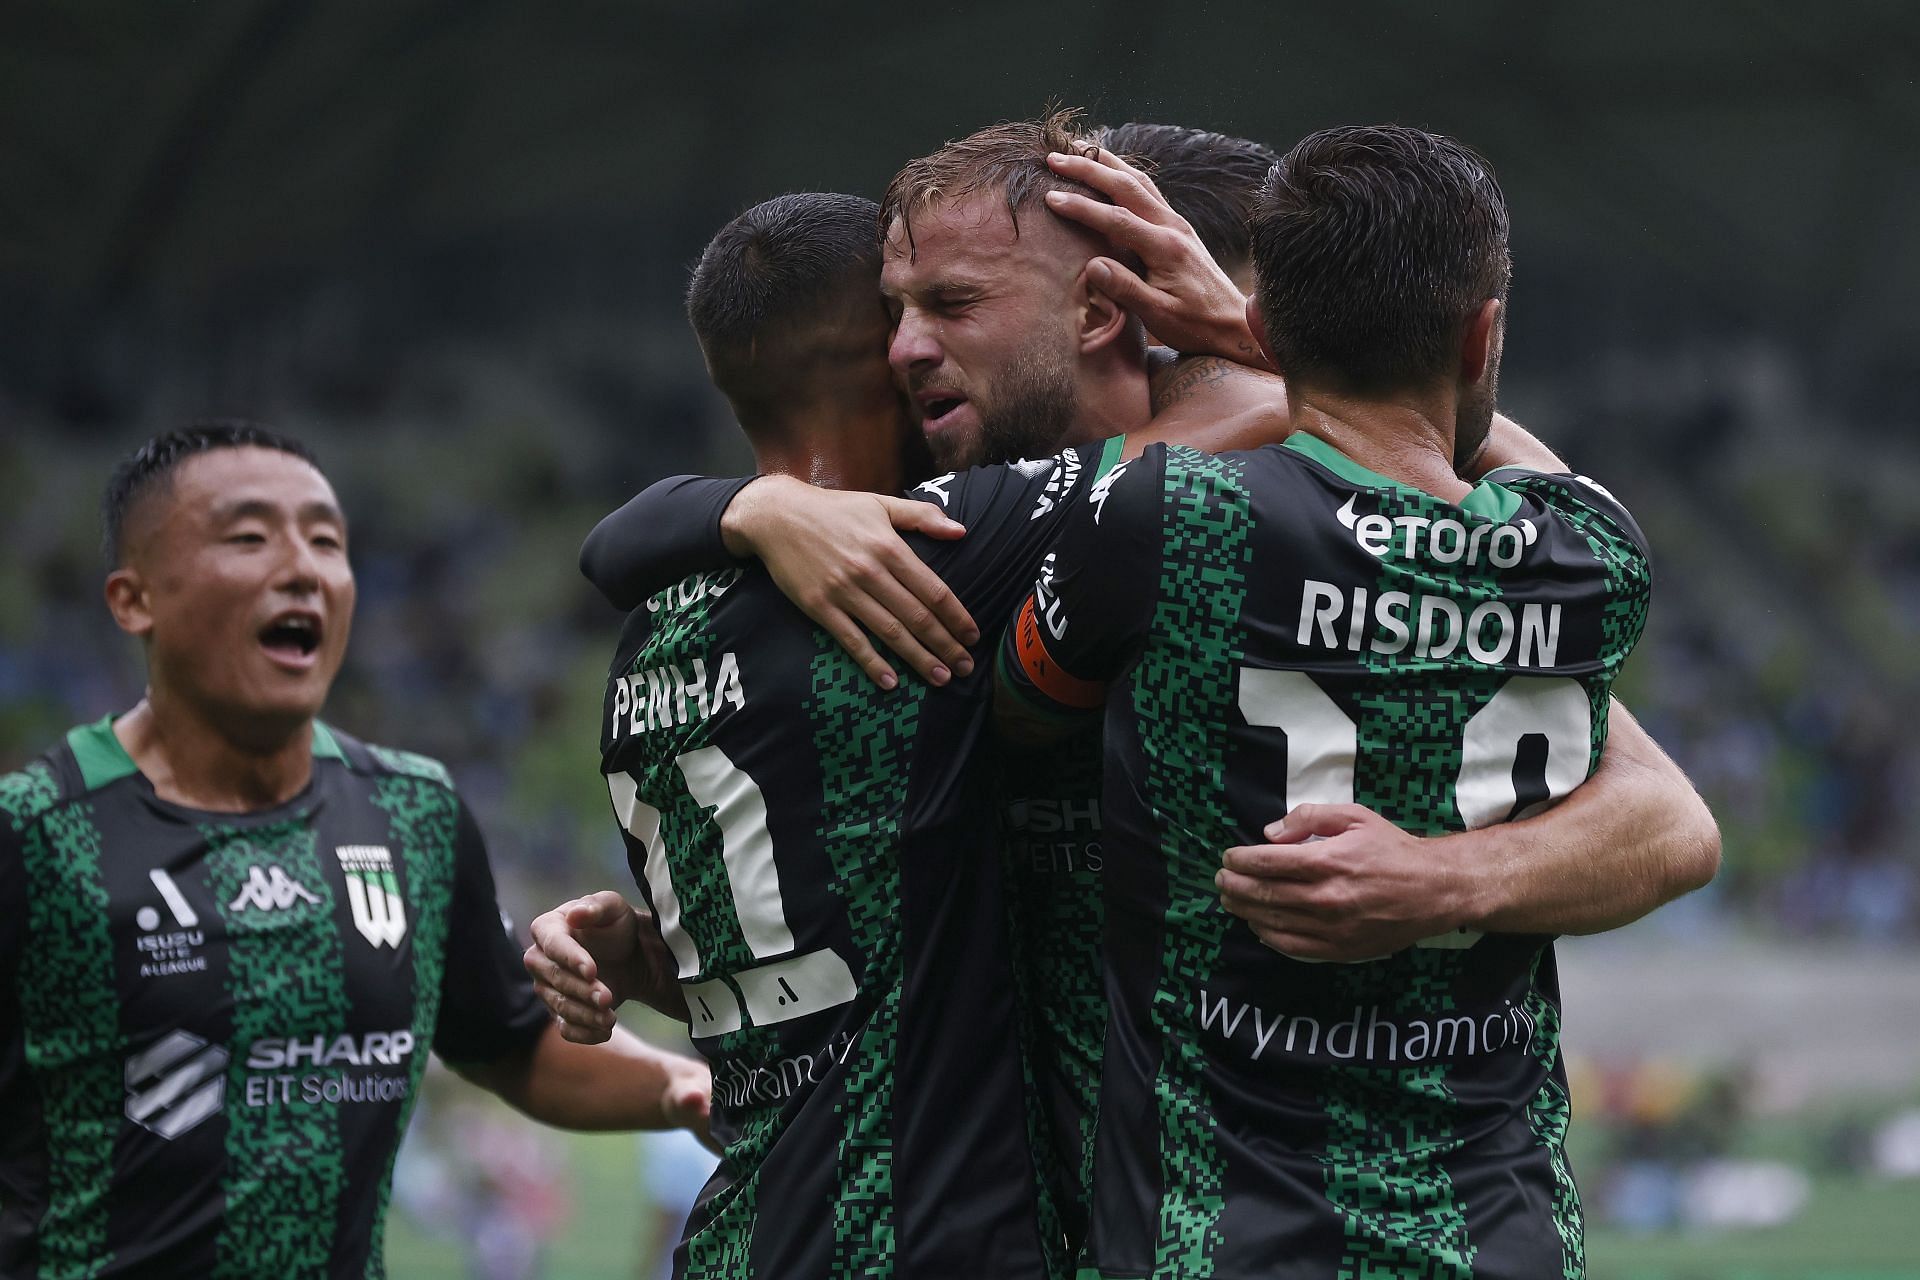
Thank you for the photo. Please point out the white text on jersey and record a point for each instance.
(1433, 626)
(1444, 541)
(664, 696)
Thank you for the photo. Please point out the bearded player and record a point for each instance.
(985, 305)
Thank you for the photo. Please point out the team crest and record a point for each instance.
(379, 912)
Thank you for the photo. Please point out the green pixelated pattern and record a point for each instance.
(423, 825)
(70, 1009)
(1549, 1113)
(286, 977)
(722, 1249)
(1057, 915)
(1181, 704)
(1629, 590)
(863, 734)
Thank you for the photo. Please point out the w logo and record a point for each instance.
(270, 890)
(379, 912)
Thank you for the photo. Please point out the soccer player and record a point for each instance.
(1337, 619)
(232, 933)
(1207, 178)
(1632, 839)
(817, 851)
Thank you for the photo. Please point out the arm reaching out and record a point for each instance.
(623, 1084)
(1630, 838)
(593, 954)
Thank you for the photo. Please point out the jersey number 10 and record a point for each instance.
(1323, 746)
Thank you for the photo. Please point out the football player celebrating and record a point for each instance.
(231, 933)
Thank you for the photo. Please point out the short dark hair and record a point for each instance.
(149, 469)
(1372, 246)
(1008, 159)
(1210, 179)
(764, 270)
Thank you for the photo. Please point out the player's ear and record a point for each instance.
(1103, 321)
(1257, 321)
(126, 593)
(1478, 342)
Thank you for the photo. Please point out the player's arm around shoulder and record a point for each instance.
(1087, 614)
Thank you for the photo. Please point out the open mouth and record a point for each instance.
(291, 637)
(936, 409)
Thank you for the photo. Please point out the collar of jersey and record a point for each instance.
(97, 750)
(1493, 501)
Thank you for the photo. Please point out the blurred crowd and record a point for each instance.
(1780, 667)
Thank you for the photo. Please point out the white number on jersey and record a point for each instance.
(784, 986)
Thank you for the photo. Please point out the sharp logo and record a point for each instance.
(379, 912)
(270, 890)
(175, 1084)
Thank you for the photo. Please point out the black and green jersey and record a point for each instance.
(819, 854)
(213, 1025)
(1282, 627)
(1051, 844)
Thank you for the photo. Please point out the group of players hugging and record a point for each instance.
(1185, 909)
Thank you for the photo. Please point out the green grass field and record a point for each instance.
(1853, 1229)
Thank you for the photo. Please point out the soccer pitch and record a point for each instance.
(1851, 1229)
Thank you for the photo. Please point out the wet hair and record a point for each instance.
(1008, 159)
(1372, 247)
(148, 470)
(1210, 179)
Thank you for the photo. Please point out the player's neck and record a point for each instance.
(829, 454)
(1408, 439)
(1113, 397)
(190, 761)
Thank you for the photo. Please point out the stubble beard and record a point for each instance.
(1031, 413)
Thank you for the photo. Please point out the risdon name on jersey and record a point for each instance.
(1283, 627)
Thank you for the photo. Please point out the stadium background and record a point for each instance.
(445, 243)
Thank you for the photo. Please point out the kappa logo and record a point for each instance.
(379, 912)
(175, 1084)
(270, 890)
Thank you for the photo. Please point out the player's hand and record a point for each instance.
(687, 1102)
(1363, 889)
(593, 954)
(1180, 294)
(838, 556)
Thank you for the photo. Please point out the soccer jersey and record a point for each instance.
(1281, 627)
(1051, 845)
(819, 855)
(213, 1025)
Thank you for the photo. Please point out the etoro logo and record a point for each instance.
(379, 912)
(270, 890)
(175, 1084)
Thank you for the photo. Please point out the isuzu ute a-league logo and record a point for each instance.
(175, 1084)
(378, 910)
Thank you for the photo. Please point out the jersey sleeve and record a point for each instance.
(1608, 531)
(1012, 514)
(667, 531)
(1084, 618)
(487, 1005)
